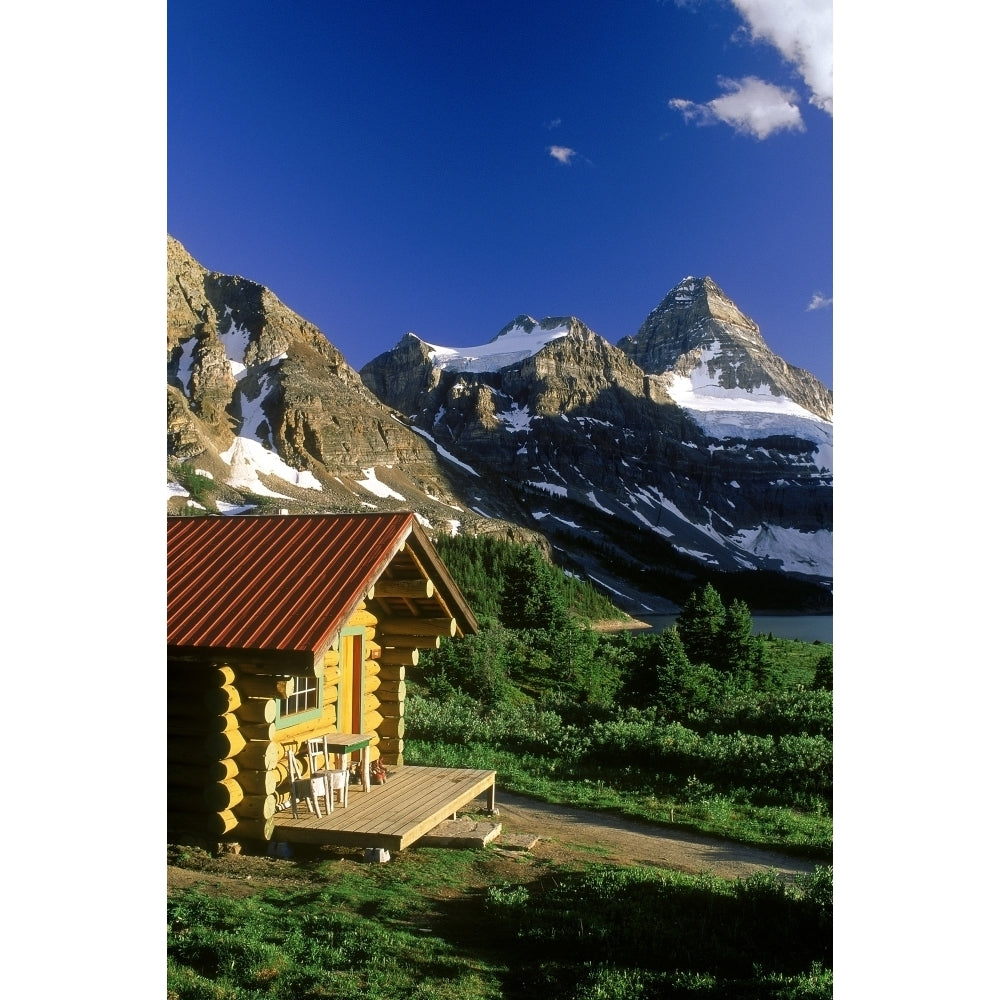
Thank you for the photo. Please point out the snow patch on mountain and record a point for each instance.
(592, 497)
(234, 508)
(250, 455)
(375, 486)
(249, 459)
(701, 391)
(809, 553)
(235, 340)
(798, 551)
(441, 451)
(517, 418)
(185, 364)
(737, 413)
(505, 349)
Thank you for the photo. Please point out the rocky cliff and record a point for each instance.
(264, 413)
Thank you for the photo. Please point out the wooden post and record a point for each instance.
(392, 691)
(256, 807)
(259, 782)
(266, 687)
(221, 699)
(258, 710)
(222, 745)
(254, 829)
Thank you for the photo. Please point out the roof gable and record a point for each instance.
(286, 583)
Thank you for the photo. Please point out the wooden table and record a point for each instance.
(343, 744)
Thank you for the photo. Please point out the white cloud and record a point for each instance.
(819, 301)
(752, 107)
(802, 31)
(562, 153)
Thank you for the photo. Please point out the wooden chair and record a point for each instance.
(309, 788)
(336, 780)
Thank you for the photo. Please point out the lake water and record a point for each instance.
(808, 628)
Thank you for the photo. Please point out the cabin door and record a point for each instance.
(350, 697)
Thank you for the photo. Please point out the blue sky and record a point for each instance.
(440, 168)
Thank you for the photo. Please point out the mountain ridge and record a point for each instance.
(546, 433)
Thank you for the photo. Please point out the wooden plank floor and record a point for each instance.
(394, 815)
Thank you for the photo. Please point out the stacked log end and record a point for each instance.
(222, 753)
(392, 707)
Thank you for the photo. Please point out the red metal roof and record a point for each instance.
(276, 583)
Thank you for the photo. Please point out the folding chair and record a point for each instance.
(336, 780)
(309, 788)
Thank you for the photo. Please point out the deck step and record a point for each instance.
(461, 832)
(518, 841)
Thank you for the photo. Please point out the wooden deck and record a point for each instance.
(411, 803)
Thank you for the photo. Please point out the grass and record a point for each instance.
(360, 931)
(639, 796)
(794, 660)
(469, 925)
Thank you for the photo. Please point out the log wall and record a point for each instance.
(401, 645)
(227, 766)
(371, 669)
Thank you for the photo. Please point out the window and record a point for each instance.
(304, 703)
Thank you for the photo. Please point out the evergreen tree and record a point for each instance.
(823, 678)
(529, 596)
(673, 669)
(592, 678)
(636, 658)
(479, 565)
(735, 639)
(739, 651)
(701, 620)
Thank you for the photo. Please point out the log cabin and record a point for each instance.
(282, 628)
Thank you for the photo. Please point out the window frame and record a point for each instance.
(311, 685)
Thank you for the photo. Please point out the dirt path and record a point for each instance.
(565, 832)
(565, 836)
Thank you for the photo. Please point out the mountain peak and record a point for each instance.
(523, 322)
(698, 334)
(692, 299)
